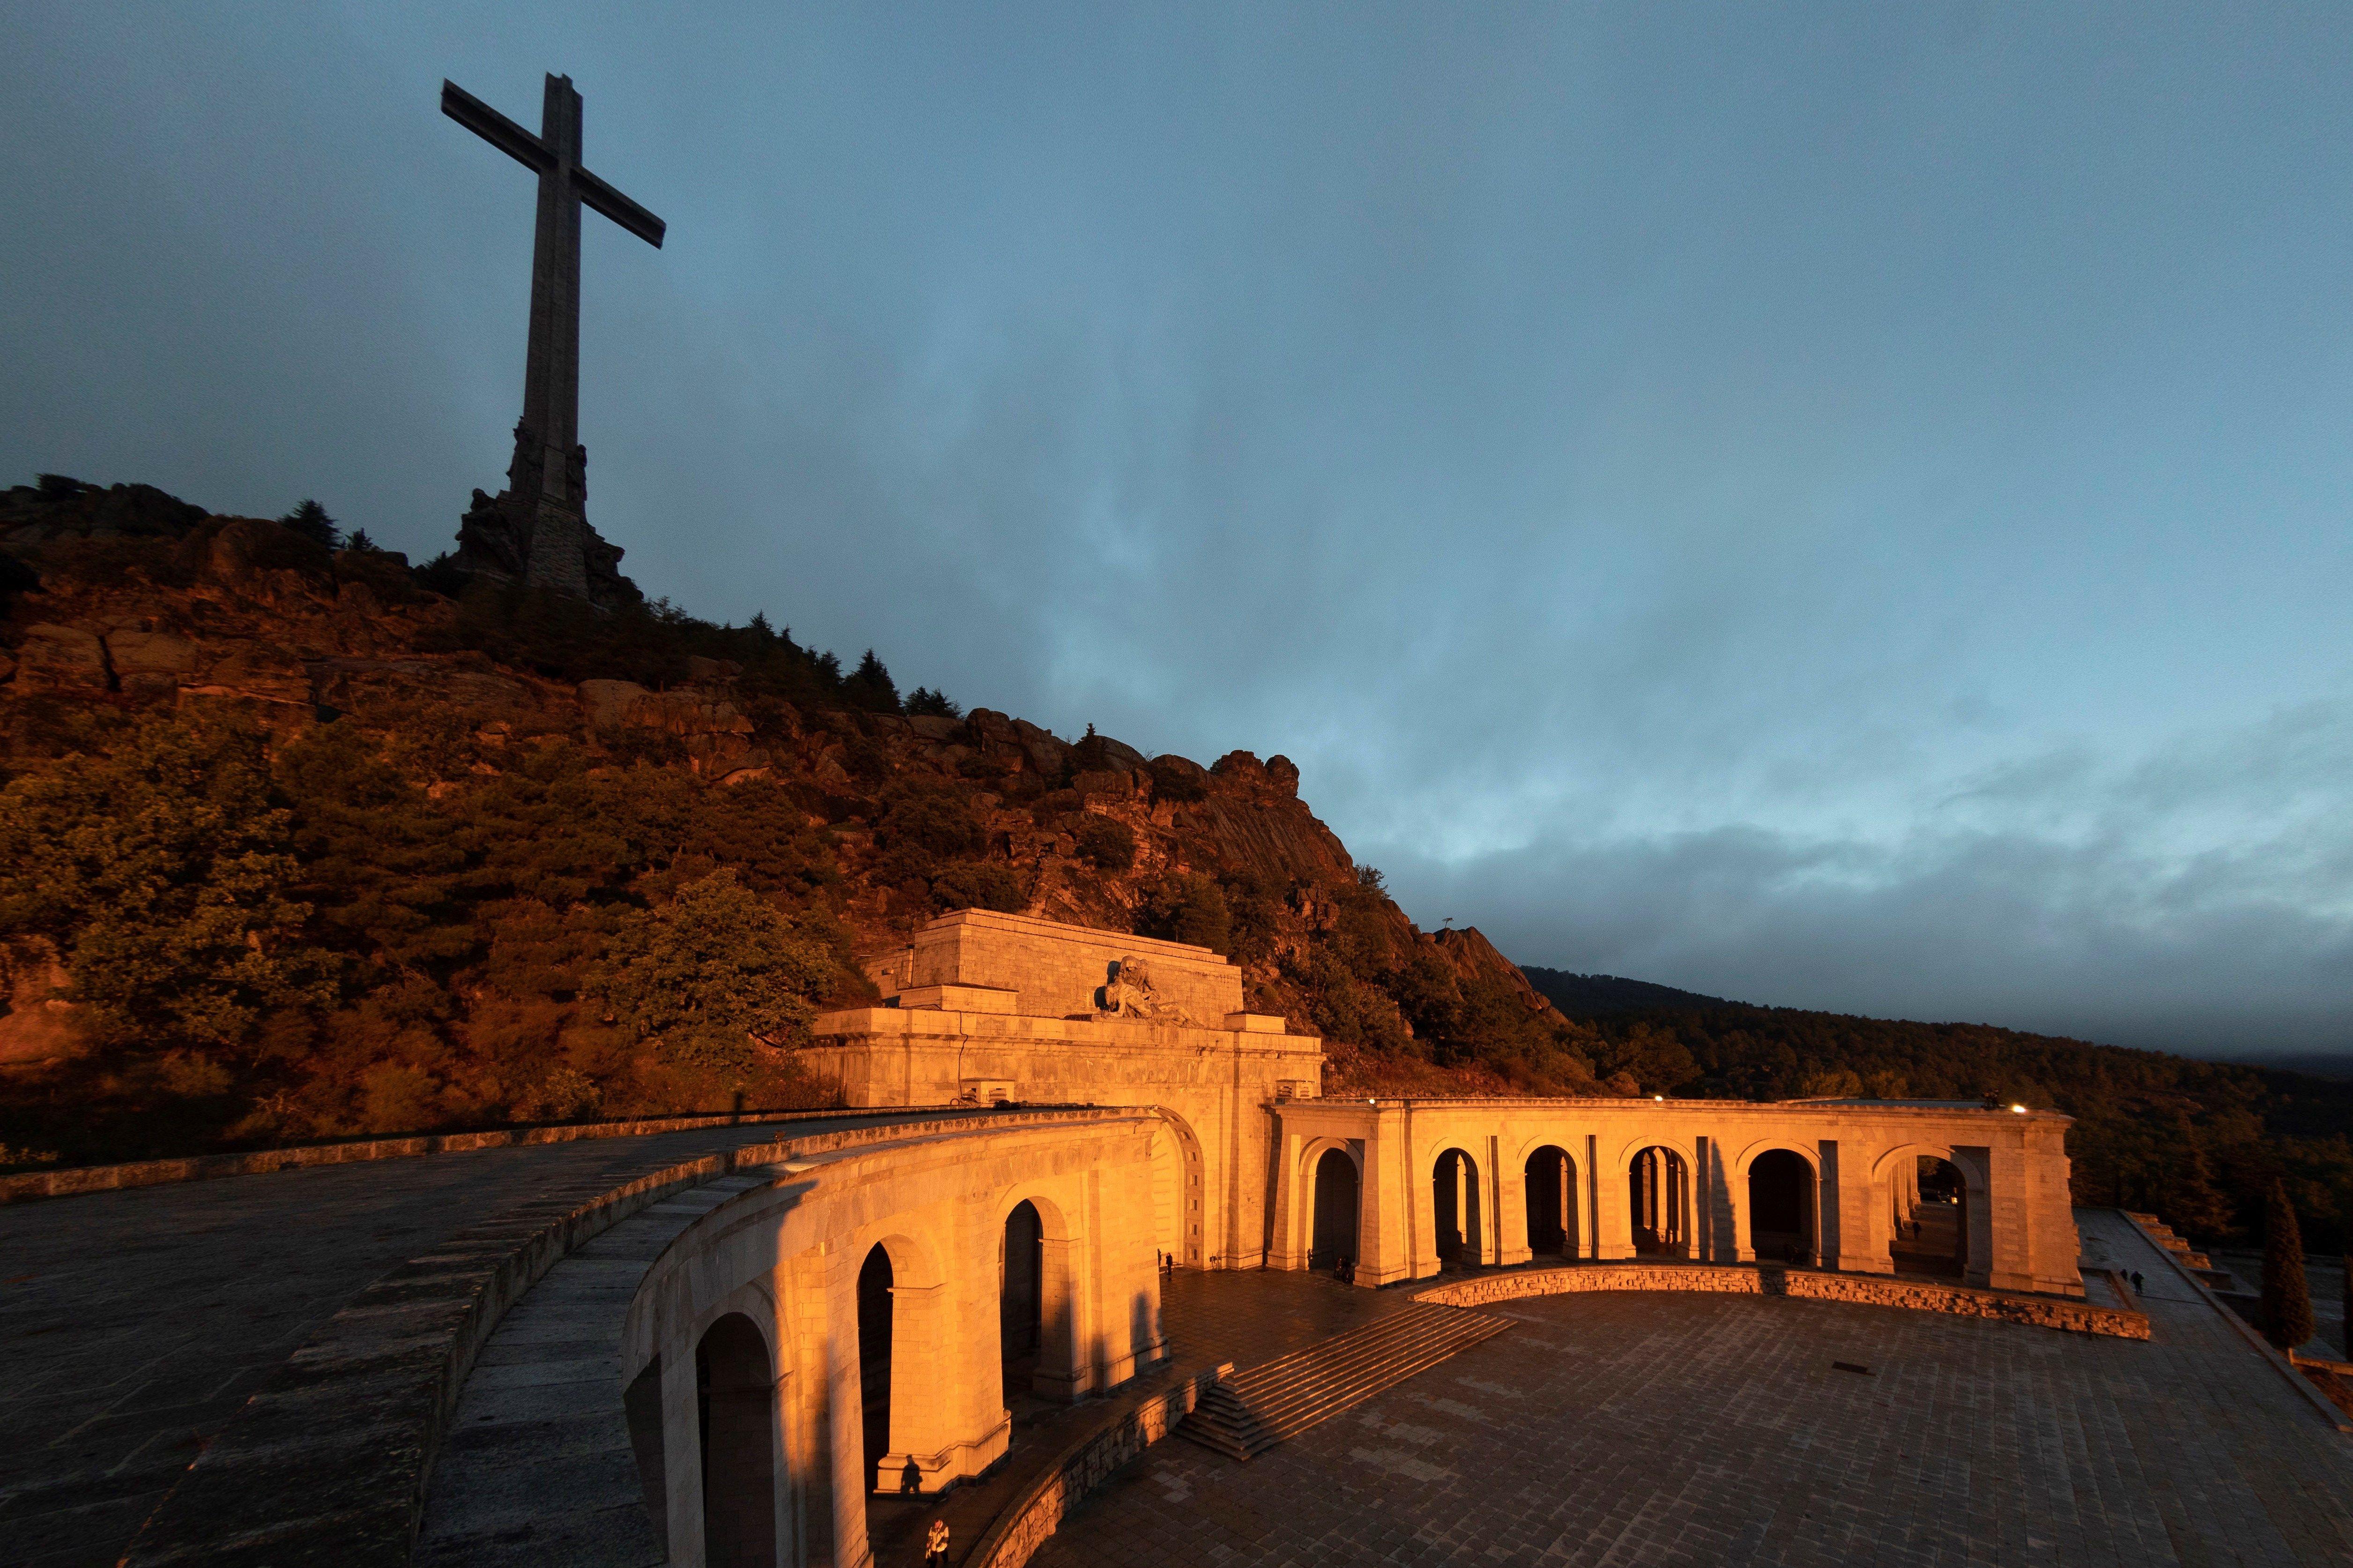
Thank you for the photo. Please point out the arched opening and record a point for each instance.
(1021, 1296)
(1552, 1201)
(1781, 1207)
(1930, 1200)
(1333, 1240)
(1454, 1202)
(1659, 1192)
(735, 1396)
(1184, 1242)
(874, 1359)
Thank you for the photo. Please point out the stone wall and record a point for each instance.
(1085, 1464)
(2044, 1312)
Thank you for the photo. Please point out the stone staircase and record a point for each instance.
(1251, 1412)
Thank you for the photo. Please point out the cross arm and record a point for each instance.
(596, 193)
(495, 127)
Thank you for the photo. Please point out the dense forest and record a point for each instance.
(2197, 1142)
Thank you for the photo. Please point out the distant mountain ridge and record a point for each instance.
(1597, 996)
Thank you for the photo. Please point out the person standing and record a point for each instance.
(936, 1545)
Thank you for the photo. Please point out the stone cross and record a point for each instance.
(538, 530)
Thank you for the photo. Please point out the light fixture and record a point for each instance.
(1659, 1097)
(2019, 1109)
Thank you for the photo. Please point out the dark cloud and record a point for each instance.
(1811, 507)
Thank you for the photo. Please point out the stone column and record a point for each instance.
(2056, 1249)
(1980, 1216)
(1571, 1232)
(1510, 1208)
(682, 1451)
(1843, 1205)
(1385, 1215)
(1061, 1339)
(1614, 1226)
(1295, 1202)
(2010, 1220)
(846, 1406)
(1463, 1176)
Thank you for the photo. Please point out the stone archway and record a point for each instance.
(874, 1336)
(1930, 1217)
(1020, 1295)
(1551, 1188)
(1781, 1208)
(1332, 1242)
(1658, 1191)
(1456, 1225)
(1185, 1241)
(735, 1383)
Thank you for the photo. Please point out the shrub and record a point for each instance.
(976, 885)
(161, 875)
(713, 970)
(1178, 780)
(1187, 907)
(1106, 843)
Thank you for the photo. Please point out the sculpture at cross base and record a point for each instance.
(536, 531)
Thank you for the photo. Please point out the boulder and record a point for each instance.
(610, 702)
(1121, 755)
(1114, 784)
(151, 665)
(61, 659)
(935, 727)
(710, 671)
(988, 727)
(256, 672)
(1284, 774)
(1240, 767)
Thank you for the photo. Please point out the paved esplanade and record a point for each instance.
(1712, 1430)
(138, 1323)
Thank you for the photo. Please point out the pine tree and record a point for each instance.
(310, 520)
(2287, 1301)
(870, 686)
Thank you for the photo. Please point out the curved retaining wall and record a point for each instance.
(1039, 1508)
(1764, 1279)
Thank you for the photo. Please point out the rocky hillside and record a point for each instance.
(299, 841)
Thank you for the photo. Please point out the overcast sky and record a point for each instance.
(1842, 507)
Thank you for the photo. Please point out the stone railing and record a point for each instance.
(1039, 1508)
(27, 1185)
(1769, 1280)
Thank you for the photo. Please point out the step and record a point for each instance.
(1255, 1409)
(1255, 1418)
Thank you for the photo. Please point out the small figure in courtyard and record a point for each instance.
(911, 1479)
(2138, 1286)
(936, 1545)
